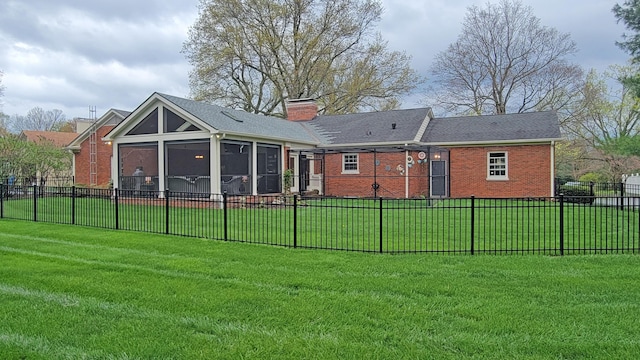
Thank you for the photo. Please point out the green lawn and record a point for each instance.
(499, 225)
(71, 292)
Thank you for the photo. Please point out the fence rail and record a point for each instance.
(558, 225)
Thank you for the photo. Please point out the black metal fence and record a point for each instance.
(558, 225)
(597, 189)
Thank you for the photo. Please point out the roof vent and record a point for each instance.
(393, 126)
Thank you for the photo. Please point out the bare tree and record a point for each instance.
(37, 119)
(505, 61)
(256, 54)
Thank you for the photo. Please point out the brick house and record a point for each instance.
(190, 146)
(92, 156)
(409, 153)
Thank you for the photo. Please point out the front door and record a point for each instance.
(438, 178)
(295, 166)
(304, 173)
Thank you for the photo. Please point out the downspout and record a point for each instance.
(375, 184)
(406, 174)
(324, 166)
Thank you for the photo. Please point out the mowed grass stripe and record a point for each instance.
(288, 289)
(41, 347)
(146, 253)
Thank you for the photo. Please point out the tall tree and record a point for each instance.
(505, 60)
(3, 117)
(605, 119)
(37, 119)
(604, 114)
(629, 14)
(256, 54)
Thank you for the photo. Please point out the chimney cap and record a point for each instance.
(302, 100)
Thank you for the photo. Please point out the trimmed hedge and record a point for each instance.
(579, 194)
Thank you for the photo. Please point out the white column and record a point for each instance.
(254, 168)
(214, 164)
(115, 168)
(161, 172)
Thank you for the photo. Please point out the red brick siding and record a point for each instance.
(529, 172)
(103, 160)
(302, 111)
(392, 181)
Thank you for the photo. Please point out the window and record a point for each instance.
(497, 166)
(148, 125)
(350, 163)
(269, 169)
(235, 167)
(174, 123)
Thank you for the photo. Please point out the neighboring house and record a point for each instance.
(92, 156)
(190, 146)
(58, 139)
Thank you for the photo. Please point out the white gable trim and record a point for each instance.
(148, 106)
(107, 117)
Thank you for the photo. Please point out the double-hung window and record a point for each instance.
(497, 166)
(350, 164)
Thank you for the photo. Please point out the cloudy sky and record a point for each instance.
(75, 54)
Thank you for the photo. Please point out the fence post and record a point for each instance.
(117, 203)
(380, 220)
(295, 220)
(35, 202)
(73, 205)
(561, 224)
(166, 211)
(473, 223)
(224, 212)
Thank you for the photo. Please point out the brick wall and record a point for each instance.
(103, 160)
(529, 172)
(391, 180)
(301, 110)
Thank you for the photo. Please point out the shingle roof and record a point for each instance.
(372, 127)
(122, 113)
(242, 122)
(60, 139)
(526, 126)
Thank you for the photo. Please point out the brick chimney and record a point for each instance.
(301, 109)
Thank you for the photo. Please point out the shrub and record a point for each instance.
(579, 194)
(595, 177)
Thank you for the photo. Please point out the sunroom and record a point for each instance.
(184, 146)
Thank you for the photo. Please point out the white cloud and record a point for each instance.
(72, 54)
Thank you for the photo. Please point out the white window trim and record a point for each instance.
(356, 171)
(506, 167)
